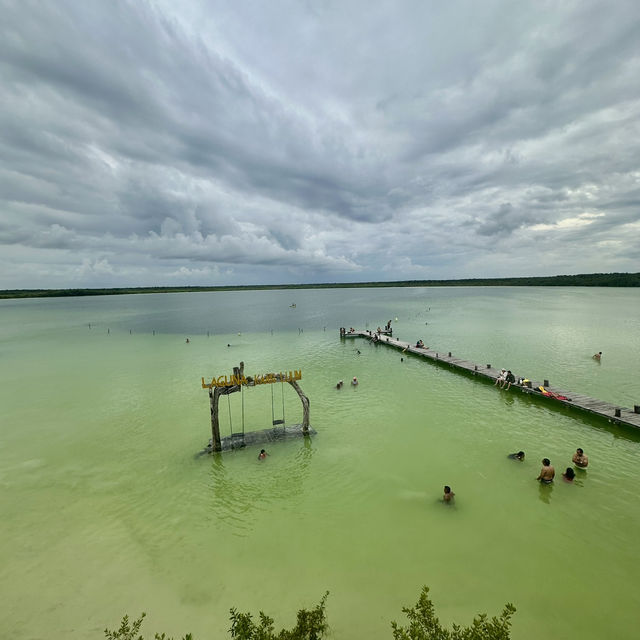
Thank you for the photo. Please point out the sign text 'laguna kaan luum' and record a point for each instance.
(267, 378)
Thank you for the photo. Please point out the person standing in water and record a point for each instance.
(547, 473)
(448, 494)
(262, 455)
(597, 356)
(579, 459)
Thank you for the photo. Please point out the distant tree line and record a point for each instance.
(578, 280)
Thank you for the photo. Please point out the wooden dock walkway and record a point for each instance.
(610, 412)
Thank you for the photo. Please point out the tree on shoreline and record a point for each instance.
(312, 625)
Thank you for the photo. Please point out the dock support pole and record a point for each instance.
(636, 408)
(546, 383)
(305, 406)
(216, 442)
(616, 413)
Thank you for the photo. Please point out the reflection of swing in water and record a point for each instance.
(278, 430)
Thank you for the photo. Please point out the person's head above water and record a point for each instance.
(520, 455)
(447, 488)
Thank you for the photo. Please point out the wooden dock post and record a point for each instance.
(616, 413)
(546, 383)
(216, 442)
(636, 408)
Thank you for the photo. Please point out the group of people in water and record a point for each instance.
(354, 383)
(546, 475)
(548, 472)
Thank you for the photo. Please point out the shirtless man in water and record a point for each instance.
(547, 473)
(579, 459)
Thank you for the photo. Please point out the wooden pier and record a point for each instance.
(610, 412)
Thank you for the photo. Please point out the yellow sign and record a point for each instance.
(267, 378)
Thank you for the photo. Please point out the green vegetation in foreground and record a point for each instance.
(579, 280)
(312, 625)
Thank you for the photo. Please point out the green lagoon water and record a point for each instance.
(106, 510)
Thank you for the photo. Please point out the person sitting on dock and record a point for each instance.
(597, 356)
(448, 494)
(517, 456)
(569, 475)
(501, 377)
(579, 459)
(419, 344)
(508, 379)
(547, 473)
(262, 455)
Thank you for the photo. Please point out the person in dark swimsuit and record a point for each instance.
(517, 456)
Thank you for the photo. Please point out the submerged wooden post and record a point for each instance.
(216, 442)
(305, 406)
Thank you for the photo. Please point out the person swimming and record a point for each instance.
(569, 475)
(262, 455)
(517, 456)
(448, 494)
(354, 382)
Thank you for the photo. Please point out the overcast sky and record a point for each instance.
(245, 142)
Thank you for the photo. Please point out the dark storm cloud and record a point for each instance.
(142, 142)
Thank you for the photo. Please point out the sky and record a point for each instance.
(203, 142)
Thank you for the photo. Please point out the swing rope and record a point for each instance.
(282, 389)
(229, 407)
(242, 395)
(274, 422)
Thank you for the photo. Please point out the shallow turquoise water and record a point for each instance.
(106, 510)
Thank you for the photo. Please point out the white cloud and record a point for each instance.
(149, 143)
